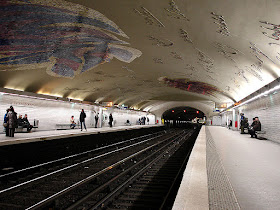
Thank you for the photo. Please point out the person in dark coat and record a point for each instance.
(110, 120)
(26, 123)
(82, 119)
(5, 124)
(11, 121)
(96, 119)
(256, 126)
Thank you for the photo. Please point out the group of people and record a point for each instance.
(255, 126)
(244, 124)
(82, 120)
(11, 122)
(83, 117)
(142, 120)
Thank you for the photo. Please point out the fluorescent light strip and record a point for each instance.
(258, 96)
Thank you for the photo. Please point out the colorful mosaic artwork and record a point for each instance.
(65, 38)
(194, 87)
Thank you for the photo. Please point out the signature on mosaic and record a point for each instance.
(65, 38)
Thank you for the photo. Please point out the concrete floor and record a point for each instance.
(252, 166)
(58, 134)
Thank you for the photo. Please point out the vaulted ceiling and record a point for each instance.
(140, 52)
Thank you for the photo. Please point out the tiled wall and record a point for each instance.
(50, 113)
(267, 109)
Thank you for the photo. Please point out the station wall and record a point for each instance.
(52, 112)
(267, 108)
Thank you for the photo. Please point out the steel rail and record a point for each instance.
(72, 166)
(102, 201)
(89, 178)
(72, 156)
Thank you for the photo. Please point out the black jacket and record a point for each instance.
(82, 116)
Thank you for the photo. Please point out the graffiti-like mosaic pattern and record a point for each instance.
(257, 52)
(241, 73)
(185, 35)
(272, 27)
(220, 21)
(174, 11)
(227, 51)
(66, 38)
(253, 72)
(161, 42)
(205, 61)
(149, 17)
(158, 60)
(176, 56)
(194, 87)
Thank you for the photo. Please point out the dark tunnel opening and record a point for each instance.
(178, 115)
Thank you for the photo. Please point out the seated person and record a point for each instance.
(128, 122)
(72, 122)
(256, 126)
(26, 123)
(20, 120)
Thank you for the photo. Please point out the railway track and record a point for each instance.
(91, 179)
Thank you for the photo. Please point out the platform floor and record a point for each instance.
(58, 134)
(242, 172)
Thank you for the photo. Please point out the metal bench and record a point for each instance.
(66, 126)
(261, 134)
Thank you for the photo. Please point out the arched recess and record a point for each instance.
(159, 107)
(182, 113)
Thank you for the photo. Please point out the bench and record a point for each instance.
(66, 126)
(21, 129)
(260, 135)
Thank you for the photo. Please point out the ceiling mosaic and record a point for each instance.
(70, 39)
(208, 49)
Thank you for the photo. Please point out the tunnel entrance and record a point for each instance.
(183, 114)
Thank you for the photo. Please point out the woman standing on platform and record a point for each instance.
(12, 121)
(82, 119)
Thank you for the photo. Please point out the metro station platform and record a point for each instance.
(228, 170)
(60, 134)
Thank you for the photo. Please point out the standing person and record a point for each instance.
(5, 123)
(242, 123)
(148, 120)
(82, 119)
(12, 121)
(96, 119)
(72, 122)
(110, 120)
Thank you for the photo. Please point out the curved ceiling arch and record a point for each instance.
(138, 51)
